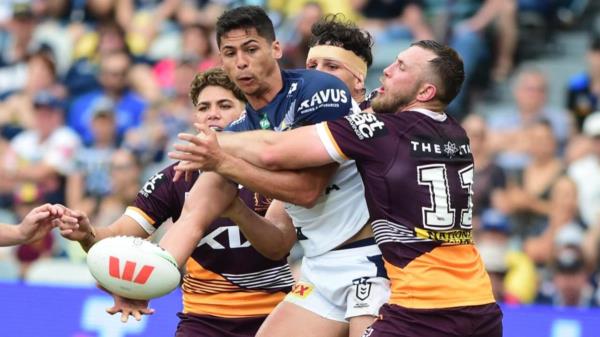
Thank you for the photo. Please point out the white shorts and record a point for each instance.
(342, 284)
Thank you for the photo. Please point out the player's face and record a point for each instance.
(402, 80)
(335, 68)
(531, 92)
(47, 119)
(250, 60)
(217, 107)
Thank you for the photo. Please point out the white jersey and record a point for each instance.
(339, 214)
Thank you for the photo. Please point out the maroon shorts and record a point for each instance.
(212, 326)
(473, 321)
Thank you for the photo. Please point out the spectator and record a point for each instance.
(91, 49)
(164, 119)
(513, 275)
(529, 190)
(390, 21)
(93, 12)
(570, 280)
(55, 32)
(489, 189)
(297, 42)
(129, 106)
(125, 173)
(17, 110)
(586, 173)
(16, 42)
(508, 133)
(144, 20)
(44, 155)
(465, 25)
(91, 181)
(563, 213)
(196, 50)
(584, 89)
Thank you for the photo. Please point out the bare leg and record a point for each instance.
(290, 320)
(209, 197)
(359, 324)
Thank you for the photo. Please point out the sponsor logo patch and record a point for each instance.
(301, 290)
(114, 270)
(328, 98)
(366, 125)
(293, 88)
(445, 149)
(456, 237)
(152, 184)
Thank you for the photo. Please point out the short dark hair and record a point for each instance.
(245, 17)
(335, 30)
(216, 77)
(447, 66)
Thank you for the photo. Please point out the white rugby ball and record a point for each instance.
(132, 267)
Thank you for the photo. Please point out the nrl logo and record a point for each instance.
(363, 288)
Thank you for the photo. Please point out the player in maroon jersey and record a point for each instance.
(417, 169)
(229, 287)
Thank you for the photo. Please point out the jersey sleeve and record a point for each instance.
(324, 99)
(238, 125)
(356, 136)
(152, 205)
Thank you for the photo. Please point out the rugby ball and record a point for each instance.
(132, 267)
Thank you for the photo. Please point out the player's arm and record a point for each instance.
(299, 187)
(36, 224)
(87, 235)
(208, 198)
(273, 235)
(294, 149)
(152, 206)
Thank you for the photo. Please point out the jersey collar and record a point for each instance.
(440, 117)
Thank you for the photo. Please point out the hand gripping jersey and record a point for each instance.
(417, 169)
(309, 97)
(225, 276)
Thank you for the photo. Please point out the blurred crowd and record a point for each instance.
(94, 92)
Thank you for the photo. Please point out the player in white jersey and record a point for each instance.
(342, 277)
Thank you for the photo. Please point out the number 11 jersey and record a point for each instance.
(417, 170)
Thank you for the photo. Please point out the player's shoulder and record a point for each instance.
(422, 121)
(159, 181)
(319, 88)
(239, 124)
(313, 80)
(166, 174)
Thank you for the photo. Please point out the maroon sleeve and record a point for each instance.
(155, 201)
(361, 137)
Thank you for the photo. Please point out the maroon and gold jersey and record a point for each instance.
(417, 169)
(225, 276)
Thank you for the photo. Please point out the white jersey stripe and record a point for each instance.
(140, 217)
(329, 143)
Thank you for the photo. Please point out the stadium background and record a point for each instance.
(528, 107)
